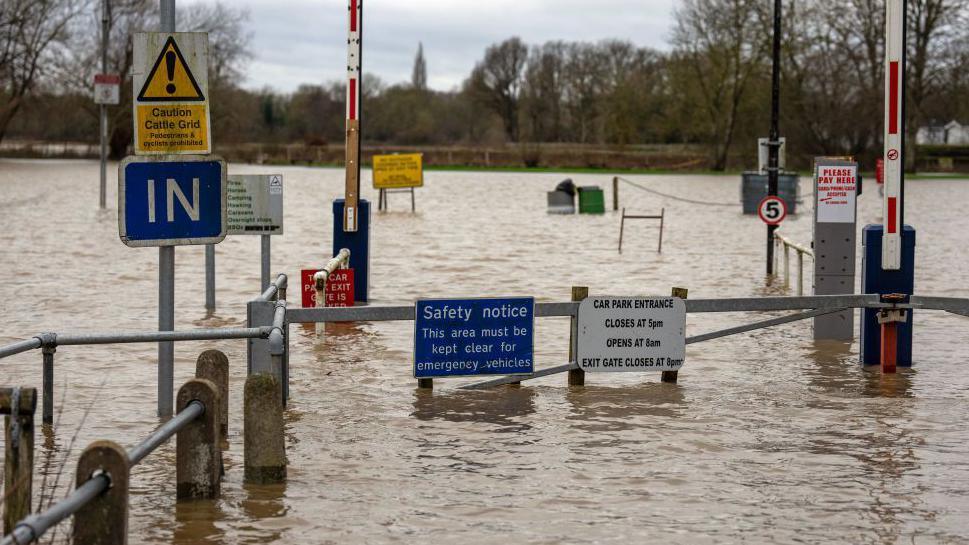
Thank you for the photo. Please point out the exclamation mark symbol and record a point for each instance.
(170, 66)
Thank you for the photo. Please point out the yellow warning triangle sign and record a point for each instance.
(170, 78)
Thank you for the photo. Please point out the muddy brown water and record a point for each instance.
(768, 437)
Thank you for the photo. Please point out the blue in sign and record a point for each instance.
(463, 337)
(169, 203)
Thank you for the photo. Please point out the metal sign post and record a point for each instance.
(105, 21)
(166, 281)
(774, 143)
(894, 134)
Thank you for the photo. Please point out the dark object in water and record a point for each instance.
(566, 186)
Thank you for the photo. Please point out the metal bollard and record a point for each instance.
(198, 453)
(672, 376)
(19, 404)
(48, 344)
(104, 519)
(213, 365)
(576, 376)
(264, 440)
(800, 273)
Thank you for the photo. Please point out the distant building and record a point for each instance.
(952, 133)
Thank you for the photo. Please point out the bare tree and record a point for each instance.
(29, 31)
(497, 81)
(721, 44)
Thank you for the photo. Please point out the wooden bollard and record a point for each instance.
(103, 520)
(671, 376)
(576, 376)
(214, 365)
(615, 193)
(18, 464)
(264, 441)
(198, 452)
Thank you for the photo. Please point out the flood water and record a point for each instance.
(768, 436)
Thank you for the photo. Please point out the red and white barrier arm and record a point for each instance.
(354, 74)
(894, 133)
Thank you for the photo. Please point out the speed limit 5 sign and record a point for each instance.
(772, 210)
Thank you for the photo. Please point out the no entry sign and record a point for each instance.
(772, 210)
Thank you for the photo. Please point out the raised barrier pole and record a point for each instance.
(264, 441)
(104, 519)
(576, 376)
(671, 376)
(198, 453)
(19, 404)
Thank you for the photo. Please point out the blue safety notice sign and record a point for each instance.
(466, 337)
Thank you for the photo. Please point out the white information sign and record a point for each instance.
(107, 89)
(255, 204)
(763, 154)
(836, 187)
(631, 334)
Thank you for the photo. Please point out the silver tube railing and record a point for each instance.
(276, 289)
(35, 526)
(340, 261)
(780, 239)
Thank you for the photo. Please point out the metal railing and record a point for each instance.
(274, 331)
(36, 525)
(779, 240)
(340, 261)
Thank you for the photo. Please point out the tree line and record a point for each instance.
(711, 87)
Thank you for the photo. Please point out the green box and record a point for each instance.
(592, 200)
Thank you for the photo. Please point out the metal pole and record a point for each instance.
(210, 277)
(266, 266)
(48, 383)
(166, 281)
(105, 20)
(800, 273)
(774, 140)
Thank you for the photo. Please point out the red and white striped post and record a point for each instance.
(354, 74)
(894, 134)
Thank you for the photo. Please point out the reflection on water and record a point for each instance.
(769, 437)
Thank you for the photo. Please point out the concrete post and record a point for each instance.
(264, 441)
(576, 376)
(103, 520)
(19, 404)
(259, 314)
(198, 456)
(671, 376)
(213, 365)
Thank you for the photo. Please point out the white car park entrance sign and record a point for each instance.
(631, 334)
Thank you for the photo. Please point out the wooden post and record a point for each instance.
(264, 442)
(214, 365)
(622, 225)
(18, 464)
(576, 376)
(425, 383)
(615, 193)
(662, 214)
(198, 453)
(671, 376)
(104, 519)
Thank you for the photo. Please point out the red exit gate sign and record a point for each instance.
(339, 288)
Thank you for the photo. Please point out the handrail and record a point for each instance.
(339, 261)
(801, 252)
(34, 526)
(276, 286)
(67, 339)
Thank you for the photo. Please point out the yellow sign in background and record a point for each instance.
(399, 170)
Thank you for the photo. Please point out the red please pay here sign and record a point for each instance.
(836, 191)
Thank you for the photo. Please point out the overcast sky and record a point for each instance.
(304, 41)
